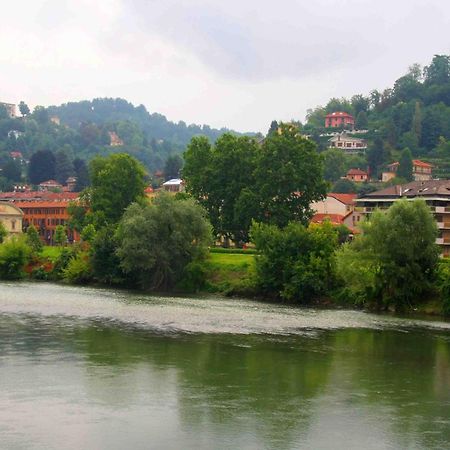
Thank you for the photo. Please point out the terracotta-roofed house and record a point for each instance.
(422, 171)
(357, 175)
(339, 119)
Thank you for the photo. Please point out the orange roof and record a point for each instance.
(39, 204)
(335, 219)
(346, 199)
(339, 114)
(356, 172)
(39, 196)
(418, 162)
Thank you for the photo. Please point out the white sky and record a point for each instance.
(238, 64)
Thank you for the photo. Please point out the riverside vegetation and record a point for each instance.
(162, 244)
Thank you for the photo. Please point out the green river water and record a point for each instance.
(85, 368)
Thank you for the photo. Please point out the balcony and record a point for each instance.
(440, 241)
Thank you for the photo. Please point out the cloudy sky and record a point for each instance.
(234, 63)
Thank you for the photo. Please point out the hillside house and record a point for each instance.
(10, 109)
(422, 171)
(348, 144)
(357, 175)
(339, 119)
(174, 185)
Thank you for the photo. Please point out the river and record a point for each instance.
(86, 368)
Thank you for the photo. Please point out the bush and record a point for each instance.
(14, 255)
(194, 277)
(78, 270)
(295, 263)
(444, 285)
(62, 261)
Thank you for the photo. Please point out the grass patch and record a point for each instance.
(231, 273)
(51, 253)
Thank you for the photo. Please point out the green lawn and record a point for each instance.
(231, 273)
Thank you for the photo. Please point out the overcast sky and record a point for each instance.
(234, 63)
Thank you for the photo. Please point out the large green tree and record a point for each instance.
(172, 167)
(393, 261)
(63, 166)
(288, 178)
(221, 178)
(116, 181)
(157, 241)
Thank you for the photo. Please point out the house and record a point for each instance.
(50, 185)
(71, 183)
(335, 219)
(55, 119)
(11, 217)
(16, 156)
(349, 144)
(335, 203)
(114, 139)
(10, 109)
(174, 185)
(339, 119)
(436, 194)
(422, 171)
(357, 175)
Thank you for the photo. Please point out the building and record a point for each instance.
(10, 109)
(335, 203)
(11, 218)
(436, 193)
(55, 119)
(174, 185)
(339, 119)
(114, 139)
(26, 195)
(357, 175)
(422, 171)
(348, 144)
(46, 216)
(50, 185)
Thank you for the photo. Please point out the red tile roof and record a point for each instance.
(335, 219)
(418, 162)
(39, 204)
(339, 114)
(38, 196)
(346, 199)
(356, 172)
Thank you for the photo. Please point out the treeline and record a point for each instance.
(83, 130)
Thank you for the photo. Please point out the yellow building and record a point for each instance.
(11, 218)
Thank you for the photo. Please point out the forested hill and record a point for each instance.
(82, 130)
(113, 112)
(414, 113)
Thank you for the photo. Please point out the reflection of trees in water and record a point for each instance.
(405, 374)
(257, 384)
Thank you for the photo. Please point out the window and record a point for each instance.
(13, 224)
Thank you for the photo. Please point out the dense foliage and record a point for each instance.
(295, 263)
(393, 262)
(157, 241)
(238, 181)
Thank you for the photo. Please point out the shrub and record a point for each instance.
(62, 261)
(14, 255)
(78, 270)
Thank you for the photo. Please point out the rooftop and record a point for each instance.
(346, 199)
(414, 189)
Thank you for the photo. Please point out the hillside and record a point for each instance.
(414, 113)
(82, 130)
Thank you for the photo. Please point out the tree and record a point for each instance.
(117, 181)
(81, 173)
(416, 126)
(12, 170)
(23, 108)
(33, 239)
(393, 261)
(60, 236)
(63, 166)
(156, 242)
(362, 122)
(3, 232)
(41, 167)
(273, 127)
(438, 72)
(288, 178)
(173, 166)
(334, 164)
(405, 168)
(295, 263)
(344, 186)
(218, 176)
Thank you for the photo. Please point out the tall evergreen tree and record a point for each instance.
(63, 166)
(81, 173)
(416, 126)
(273, 127)
(42, 166)
(405, 169)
